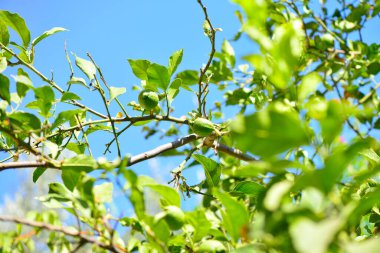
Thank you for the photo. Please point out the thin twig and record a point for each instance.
(66, 231)
(106, 84)
(205, 68)
(49, 81)
(101, 92)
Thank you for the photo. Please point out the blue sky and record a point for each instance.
(113, 33)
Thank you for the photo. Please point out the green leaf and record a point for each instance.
(86, 66)
(271, 131)
(235, 215)
(250, 188)
(188, 77)
(72, 168)
(116, 91)
(38, 173)
(335, 165)
(170, 195)
(80, 163)
(95, 128)
(65, 116)
(47, 34)
(370, 245)
(371, 155)
(77, 80)
(4, 34)
(211, 168)
(103, 192)
(45, 98)
(308, 85)
(314, 237)
(174, 89)
(25, 121)
(199, 221)
(229, 52)
(4, 89)
(23, 82)
(17, 23)
(158, 76)
(3, 63)
(69, 96)
(78, 148)
(70, 178)
(275, 194)
(60, 190)
(140, 68)
(174, 61)
(332, 123)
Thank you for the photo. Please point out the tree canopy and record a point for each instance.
(294, 168)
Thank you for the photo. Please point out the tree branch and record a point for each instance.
(205, 68)
(22, 164)
(66, 231)
(145, 155)
(160, 149)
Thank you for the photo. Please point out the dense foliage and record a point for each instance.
(296, 170)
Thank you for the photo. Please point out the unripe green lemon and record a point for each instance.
(203, 127)
(148, 99)
(211, 246)
(174, 217)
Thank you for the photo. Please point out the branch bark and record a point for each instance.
(66, 231)
(160, 149)
(145, 155)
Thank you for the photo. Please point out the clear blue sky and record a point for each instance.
(114, 32)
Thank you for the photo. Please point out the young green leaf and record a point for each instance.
(38, 173)
(47, 34)
(4, 88)
(229, 52)
(158, 76)
(115, 92)
(188, 77)
(235, 216)
(78, 80)
(170, 195)
(17, 23)
(174, 61)
(211, 168)
(174, 89)
(45, 98)
(271, 131)
(65, 116)
(86, 66)
(140, 68)
(69, 96)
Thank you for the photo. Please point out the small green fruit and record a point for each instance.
(211, 246)
(174, 217)
(203, 127)
(148, 99)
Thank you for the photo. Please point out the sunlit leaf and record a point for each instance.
(115, 92)
(158, 76)
(174, 61)
(47, 34)
(17, 23)
(86, 66)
